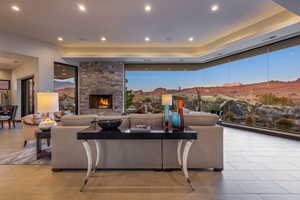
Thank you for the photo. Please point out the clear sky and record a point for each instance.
(281, 65)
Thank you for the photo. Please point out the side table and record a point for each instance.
(40, 135)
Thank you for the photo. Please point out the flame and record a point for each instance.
(103, 102)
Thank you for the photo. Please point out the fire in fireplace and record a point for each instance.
(101, 101)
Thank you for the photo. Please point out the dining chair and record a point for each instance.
(10, 118)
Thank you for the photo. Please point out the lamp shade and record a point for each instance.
(47, 102)
(166, 99)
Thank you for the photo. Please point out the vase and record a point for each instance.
(176, 124)
(166, 117)
(180, 111)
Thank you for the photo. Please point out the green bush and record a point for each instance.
(272, 99)
(284, 124)
(228, 116)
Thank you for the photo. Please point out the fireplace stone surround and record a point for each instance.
(97, 78)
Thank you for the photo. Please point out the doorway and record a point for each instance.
(27, 96)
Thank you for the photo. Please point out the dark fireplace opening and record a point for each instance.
(101, 101)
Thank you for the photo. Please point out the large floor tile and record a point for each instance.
(262, 187)
(239, 197)
(274, 175)
(290, 186)
(279, 197)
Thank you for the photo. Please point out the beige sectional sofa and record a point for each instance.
(206, 152)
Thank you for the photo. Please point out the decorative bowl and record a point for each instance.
(109, 124)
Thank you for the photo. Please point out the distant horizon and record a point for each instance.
(224, 85)
(281, 65)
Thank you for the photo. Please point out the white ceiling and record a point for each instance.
(125, 24)
(292, 5)
(125, 21)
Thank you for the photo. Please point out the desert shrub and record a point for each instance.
(129, 96)
(250, 120)
(209, 106)
(284, 124)
(228, 116)
(272, 99)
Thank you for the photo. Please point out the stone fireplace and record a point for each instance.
(101, 88)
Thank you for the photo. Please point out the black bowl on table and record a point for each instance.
(109, 124)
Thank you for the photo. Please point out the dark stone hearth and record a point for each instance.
(97, 78)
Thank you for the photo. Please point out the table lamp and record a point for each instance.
(166, 102)
(47, 103)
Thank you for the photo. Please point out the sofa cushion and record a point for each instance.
(103, 117)
(77, 120)
(200, 119)
(152, 120)
(145, 116)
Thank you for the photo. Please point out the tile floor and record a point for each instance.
(257, 167)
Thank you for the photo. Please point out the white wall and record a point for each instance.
(44, 54)
(28, 69)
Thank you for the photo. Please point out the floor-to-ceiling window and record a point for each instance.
(65, 83)
(261, 91)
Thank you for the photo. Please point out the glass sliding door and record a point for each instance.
(65, 83)
(284, 93)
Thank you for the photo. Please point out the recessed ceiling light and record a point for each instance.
(147, 39)
(148, 8)
(81, 7)
(103, 39)
(214, 7)
(15, 8)
(60, 39)
(191, 39)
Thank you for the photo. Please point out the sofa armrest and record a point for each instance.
(66, 147)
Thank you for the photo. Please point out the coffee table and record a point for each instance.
(96, 134)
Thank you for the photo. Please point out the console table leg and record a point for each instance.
(98, 155)
(88, 151)
(185, 159)
(179, 153)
